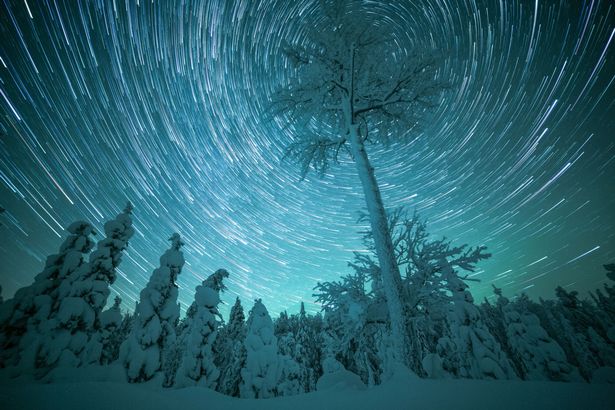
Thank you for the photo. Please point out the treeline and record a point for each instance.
(59, 321)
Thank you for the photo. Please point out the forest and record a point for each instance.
(60, 321)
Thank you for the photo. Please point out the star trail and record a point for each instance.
(165, 103)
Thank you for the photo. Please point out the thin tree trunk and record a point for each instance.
(382, 240)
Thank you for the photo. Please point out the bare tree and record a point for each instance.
(354, 84)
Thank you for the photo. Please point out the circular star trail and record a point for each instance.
(166, 104)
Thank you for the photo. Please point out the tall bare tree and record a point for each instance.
(354, 84)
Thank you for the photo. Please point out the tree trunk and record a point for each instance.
(391, 278)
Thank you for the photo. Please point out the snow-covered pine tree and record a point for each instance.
(608, 302)
(172, 354)
(261, 374)
(354, 87)
(197, 363)
(283, 330)
(605, 302)
(595, 322)
(536, 354)
(124, 330)
(289, 380)
(110, 334)
(307, 350)
(601, 348)
(493, 318)
(576, 344)
(573, 318)
(281, 325)
(25, 319)
(292, 373)
(156, 315)
(230, 351)
(478, 354)
(83, 295)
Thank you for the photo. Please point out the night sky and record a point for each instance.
(165, 103)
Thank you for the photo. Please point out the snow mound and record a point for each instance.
(340, 380)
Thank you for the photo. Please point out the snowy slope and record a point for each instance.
(398, 393)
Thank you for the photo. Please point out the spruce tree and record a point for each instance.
(156, 315)
(29, 319)
(231, 352)
(478, 354)
(197, 363)
(261, 374)
(537, 355)
(307, 352)
(83, 295)
(110, 332)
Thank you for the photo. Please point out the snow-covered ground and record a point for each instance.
(398, 393)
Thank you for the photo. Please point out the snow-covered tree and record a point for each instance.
(471, 350)
(231, 352)
(605, 305)
(607, 302)
(601, 348)
(575, 325)
(307, 349)
(574, 343)
(536, 354)
(261, 374)
(493, 318)
(84, 293)
(347, 319)
(353, 86)
(197, 363)
(424, 289)
(156, 315)
(27, 320)
(110, 332)
(295, 377)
